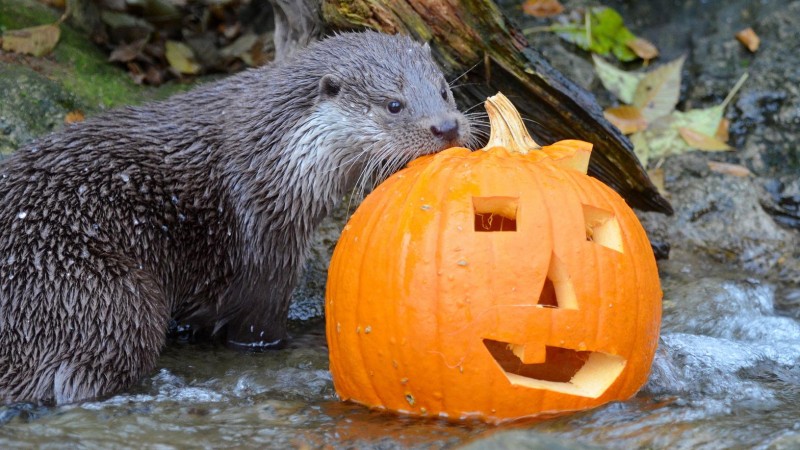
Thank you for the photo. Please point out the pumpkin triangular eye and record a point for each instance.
(602, 228)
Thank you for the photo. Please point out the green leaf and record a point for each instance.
(619, 82)
(705, 121)
(604, 34)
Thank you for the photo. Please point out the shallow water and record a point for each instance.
(726, 376)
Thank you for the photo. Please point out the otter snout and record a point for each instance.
(446, 130)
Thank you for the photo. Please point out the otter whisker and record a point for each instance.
(463, 74)
(525, 119)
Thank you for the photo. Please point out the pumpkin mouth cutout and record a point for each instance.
(558, 369)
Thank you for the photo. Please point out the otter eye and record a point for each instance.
(394, 106)
(443, 92)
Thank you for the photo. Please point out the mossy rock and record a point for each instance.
(39, 92)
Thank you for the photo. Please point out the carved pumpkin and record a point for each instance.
(500, 283)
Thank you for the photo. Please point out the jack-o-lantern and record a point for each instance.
(498, 284)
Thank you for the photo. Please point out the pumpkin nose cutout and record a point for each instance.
(446, 130)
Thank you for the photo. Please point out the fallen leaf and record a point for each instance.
(729, 169)
(657, 93)
(749, 39)
(602, 31)
(619, 82)
(643, 48)
(128, 52)
(181, 58)
(627, 118)
(705, 121)
(722, 130)
(656, 175)
(542, 8)
(641, 147)
(74, 116)
(702, 141)
(661, 138)
(36, 41)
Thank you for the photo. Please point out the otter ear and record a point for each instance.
(329, 86)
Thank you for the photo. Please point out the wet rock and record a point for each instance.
(790, 440)
(720, 216)
(766, 115)
(525, 440)
(783, 201)
(308, 298)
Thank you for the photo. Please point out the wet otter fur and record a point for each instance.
(199, 208)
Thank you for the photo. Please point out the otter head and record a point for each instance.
(390, 92)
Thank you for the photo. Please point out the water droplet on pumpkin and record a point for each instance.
(358, 329)
(403, 380)
(368, 329)
(582, 347)
(462, 263)
(425, 207)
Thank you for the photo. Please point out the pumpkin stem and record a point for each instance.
(507, 128)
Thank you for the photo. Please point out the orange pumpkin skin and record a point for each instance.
(425, 315)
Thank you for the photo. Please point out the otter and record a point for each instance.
(197, 209)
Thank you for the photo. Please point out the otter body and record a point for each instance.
(199, 208)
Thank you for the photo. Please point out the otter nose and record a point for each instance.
(447, 130)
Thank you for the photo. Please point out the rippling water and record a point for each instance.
(725, 376)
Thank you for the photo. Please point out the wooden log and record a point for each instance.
(472, 39)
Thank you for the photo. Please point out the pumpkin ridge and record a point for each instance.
(640, 241)
(364, 286)
(441, 243)
(417, 189)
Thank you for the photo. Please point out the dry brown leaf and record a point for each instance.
(74, 116)
(657, 93)
(643, 48)
(722, 130)
(36, 41)
(542, 8)
(128, 52)
(627, 118)
(701, 141)
(729, 169)
(749, 39)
